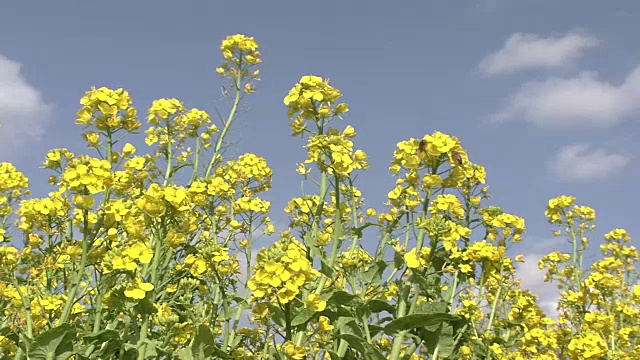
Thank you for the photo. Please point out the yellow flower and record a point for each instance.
(495, 348)
(556, 206)
(302, 169)
(196, 264)
(324, 324)
(138, 289)
(92, 137)
(128, 149)
(349, 132)
(294, 352)
(123, 262)
(316, 302)
(83, 201)
(449, 204)
(412, 259)
(415, 259)
(465, 268)
(140, 252)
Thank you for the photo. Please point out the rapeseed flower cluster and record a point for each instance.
(281, 272)
(313, 99)
(13, 187)
(107, 111)
(42, 214)
(173, 122)
(241, 55)
(302, 209)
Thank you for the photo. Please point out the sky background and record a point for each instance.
(544, 94)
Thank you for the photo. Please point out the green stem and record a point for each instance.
(496, 299)
(435, 352)
(354, 210)
(144, 328)
(454, 287)
(336, 235)
(125, 332)
(86, 244)
(196, 160)
(227, 124)
(577, 263)
(494, 306)
(26, 305)
(342, 348)
(398, 340)
(167, 173)
(71, 296)
(396, 347)
(246, 290)
(225, 306)
(96, 323)
(365, 324)
(287, 317)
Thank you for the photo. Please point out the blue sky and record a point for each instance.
(543, 93)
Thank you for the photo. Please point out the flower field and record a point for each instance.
(150, 254)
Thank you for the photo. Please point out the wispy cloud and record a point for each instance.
(581, 163)
(532, 278)
(584, 100)
(529, 51)
(24, 116)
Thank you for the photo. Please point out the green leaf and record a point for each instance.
(303, 316)
(102, 337)
(203, 342)
(442, 338)
(341, 311)
(374, 273)
(398, 261)
(418, 321)
(325, 269)
(56, 343)
(348, 325)
(184, 354)
(107, 342)
(79, 356)
(374, 330)
(357, 343)
(5, 331)
(312, 245)
(372, 353)
(358, 230)
(145, 306)
(345, 299)
(277, 315)
(220, 354)
(377, 306)
(432, 307)
(149, 349)
(24, 342)
(479, 348)
(174, 170)
(240, 301)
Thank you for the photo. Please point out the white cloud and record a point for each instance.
(528, 51)
(580, 163)
(23, 114)
(581, 101)
(532, 278)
